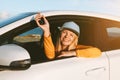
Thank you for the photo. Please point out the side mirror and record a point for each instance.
(14, 57)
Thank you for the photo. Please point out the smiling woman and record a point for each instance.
(66, 45)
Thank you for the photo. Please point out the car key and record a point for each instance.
(42, 21)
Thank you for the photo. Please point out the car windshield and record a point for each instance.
(15, 18)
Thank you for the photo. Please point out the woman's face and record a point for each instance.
(67, 37)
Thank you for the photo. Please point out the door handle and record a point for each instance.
(95, 71)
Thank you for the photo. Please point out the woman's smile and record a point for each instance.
(67, 37)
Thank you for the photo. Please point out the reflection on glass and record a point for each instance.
(28, 38)
(113, 32)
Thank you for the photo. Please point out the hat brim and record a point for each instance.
(62, 28)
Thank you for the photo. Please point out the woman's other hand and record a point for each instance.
(67, 54)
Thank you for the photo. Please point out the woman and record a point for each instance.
(67, 41)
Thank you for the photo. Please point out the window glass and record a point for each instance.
(33, 35)
(113, 32)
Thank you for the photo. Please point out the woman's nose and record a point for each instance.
(67, 35)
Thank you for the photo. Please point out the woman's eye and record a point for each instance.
(71, 35)
(64, 32)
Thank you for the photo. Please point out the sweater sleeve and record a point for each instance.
(49, 47)
(88, 51)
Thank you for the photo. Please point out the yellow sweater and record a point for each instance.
(81, 50)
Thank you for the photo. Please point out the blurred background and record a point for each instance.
(13, 7)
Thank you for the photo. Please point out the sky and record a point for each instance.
(13, 7)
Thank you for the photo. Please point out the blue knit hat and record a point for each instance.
(72, 26)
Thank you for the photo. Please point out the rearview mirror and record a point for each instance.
(14, 57)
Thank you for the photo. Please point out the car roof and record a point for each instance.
(59, 12)
(28, 16)
(81, 13)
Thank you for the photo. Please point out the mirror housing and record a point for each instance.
(14, 57)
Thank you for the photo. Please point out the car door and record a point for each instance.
(114, 60)
(113, 34)
(78, 69)
(64, 69)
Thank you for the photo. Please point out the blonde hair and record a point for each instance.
(72, 46)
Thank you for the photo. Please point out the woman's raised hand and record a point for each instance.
(44, 26)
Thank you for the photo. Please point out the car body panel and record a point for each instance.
(71, 68)
(114, 60)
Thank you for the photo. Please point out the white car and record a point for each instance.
(22, 53)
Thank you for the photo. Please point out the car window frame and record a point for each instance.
(58, 20)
